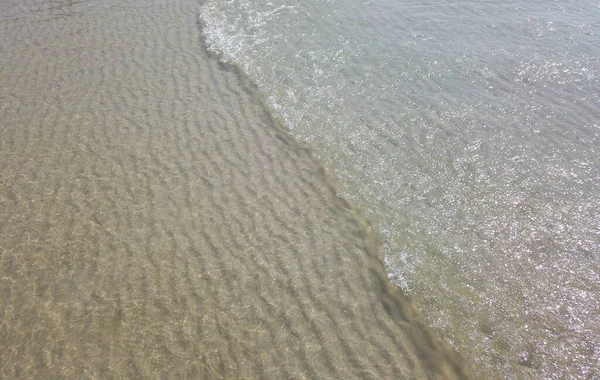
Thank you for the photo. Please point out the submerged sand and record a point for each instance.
(155, 222)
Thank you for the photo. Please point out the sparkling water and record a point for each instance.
(468, 132)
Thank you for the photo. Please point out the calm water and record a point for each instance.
(469, 133)
(157, 223)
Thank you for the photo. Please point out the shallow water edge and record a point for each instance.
(157, 222)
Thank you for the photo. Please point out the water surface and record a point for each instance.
(469, 132)
(156, 222)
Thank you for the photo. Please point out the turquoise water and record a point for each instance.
(468, 132)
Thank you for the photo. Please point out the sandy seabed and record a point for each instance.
(156, 222)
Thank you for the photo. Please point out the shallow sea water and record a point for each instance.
(157, 222)
(468, 131)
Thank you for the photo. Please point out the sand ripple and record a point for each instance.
(156, 222)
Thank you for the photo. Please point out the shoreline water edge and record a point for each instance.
(156, 221)
(466, 132)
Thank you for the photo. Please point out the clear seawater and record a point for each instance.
(469, 133)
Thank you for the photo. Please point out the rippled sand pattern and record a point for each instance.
(156, 223)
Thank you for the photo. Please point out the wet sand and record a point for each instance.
(155, 222)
